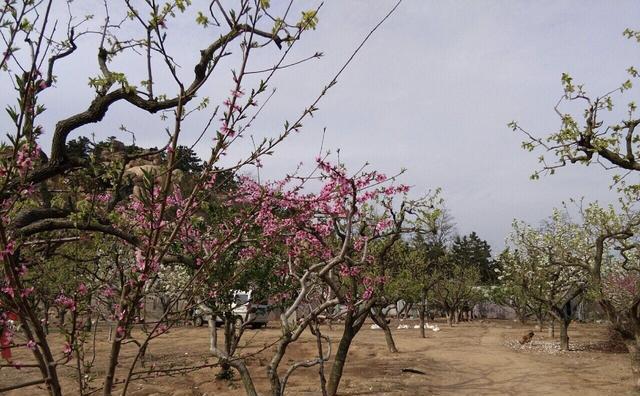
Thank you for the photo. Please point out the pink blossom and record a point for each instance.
(8, 250)
(108, 292)
(141, 262)
(103, 198)
(67, 349)
(163, 328)
(236, 93)
(66, 302)
(82, 289)
(226, 130)
(25, 158)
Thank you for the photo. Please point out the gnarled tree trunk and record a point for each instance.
(352, 325)
(379, 318)
(564, 334)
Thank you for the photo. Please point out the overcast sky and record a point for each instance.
(432, 91)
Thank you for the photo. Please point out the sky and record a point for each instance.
(432, 91)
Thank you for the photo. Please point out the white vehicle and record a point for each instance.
(245, 310)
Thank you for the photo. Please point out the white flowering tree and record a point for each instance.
(512, 291)
(602, 128)
(542, 262)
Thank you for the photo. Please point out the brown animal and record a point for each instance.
(527, 338)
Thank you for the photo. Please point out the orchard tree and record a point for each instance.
(329, 260)
(409, 265)
(390, 293)
(428, 252)
(613, 268)
(603, 131)
(513, 291)
(542, 263)
(456, 291)
(599, 131)
(414, 275)
(144, 217)
(462, 270)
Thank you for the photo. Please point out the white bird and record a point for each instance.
(431, 327)
(374, 327)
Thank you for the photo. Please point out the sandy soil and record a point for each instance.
(469, 359)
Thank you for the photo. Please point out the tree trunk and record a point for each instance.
(450, 318)
(423, 308)
(45, 359)
(564, 335)
(46, 318)
(213, 333)
(315, 329)
(634, 354)
(391, 345)
(340, 359)
(272, 368)
(225, 367)
(552, 328)
(113, 363)
(634, 349)
(61, 316)
(116, 344)
(247, 382)
(540, 323)
(522, 318)
(226, 363)
(352, 325)
(407, 311)
(381, 321)
(164, 304)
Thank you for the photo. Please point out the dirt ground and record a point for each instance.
(477, 358)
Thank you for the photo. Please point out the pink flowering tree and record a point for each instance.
(621, 289)
(113, 218)
(318, 247)
(327, 237)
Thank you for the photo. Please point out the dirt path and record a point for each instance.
(473, 359)
(470, 359)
